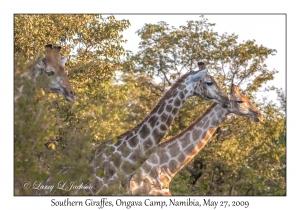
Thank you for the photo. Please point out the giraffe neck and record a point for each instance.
(171, 156)
(124, 154)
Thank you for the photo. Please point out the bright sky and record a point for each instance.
(268, 30)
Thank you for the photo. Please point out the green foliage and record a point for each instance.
(116, 91)
(50, 133)
(242, 158)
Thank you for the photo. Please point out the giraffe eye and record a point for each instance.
(240, 102)
(49, 73)
(209, 83)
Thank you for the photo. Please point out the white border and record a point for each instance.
(254, 6)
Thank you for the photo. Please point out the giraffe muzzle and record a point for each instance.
(70, 96)
(225, 102)
(258, 118)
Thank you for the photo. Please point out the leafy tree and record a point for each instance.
(49, 133)
(242, 158)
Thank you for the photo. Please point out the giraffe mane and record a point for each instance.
(190, 126)
(157, 106)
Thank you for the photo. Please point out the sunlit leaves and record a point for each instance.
(242, 158)
(93, 47)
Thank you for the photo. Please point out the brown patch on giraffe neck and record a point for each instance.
(145, 131)
(191, 126)
(191, 151)
(205, 138)
(168, 94)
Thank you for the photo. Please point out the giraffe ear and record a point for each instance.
(39, 67)
(63, 60)
(199, 75)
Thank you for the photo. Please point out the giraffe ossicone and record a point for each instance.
(155, 175)
(51, 69)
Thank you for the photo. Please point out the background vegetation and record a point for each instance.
(116, 89)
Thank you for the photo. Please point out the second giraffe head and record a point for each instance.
(53, 67)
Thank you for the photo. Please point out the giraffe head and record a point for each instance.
(241, 105)
(206, 87)
(53, 67)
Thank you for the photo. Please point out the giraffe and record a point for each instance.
(113, 163)
(154, 176)
(56, 79)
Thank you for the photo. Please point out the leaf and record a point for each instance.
(115, 140)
